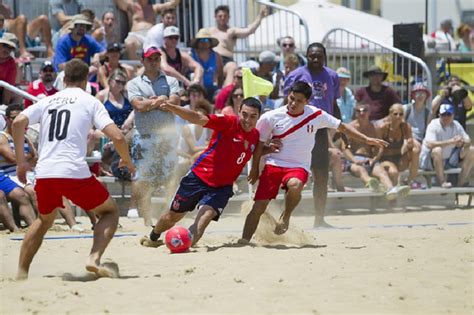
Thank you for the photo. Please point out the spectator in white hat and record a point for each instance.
(346, 101)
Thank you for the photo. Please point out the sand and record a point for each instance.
(387, 263)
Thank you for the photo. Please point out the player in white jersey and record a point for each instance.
(62, 170)
(295, 126)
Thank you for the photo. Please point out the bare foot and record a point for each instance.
(105, 270)
(243, 242)
(322, 224)
(281, 226)
(21, 275)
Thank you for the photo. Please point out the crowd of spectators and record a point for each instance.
(204, 77)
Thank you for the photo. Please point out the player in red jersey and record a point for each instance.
(209, 182)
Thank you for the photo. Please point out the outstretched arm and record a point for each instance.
(189, 115)
(251, 28)
(353, 133)
(159, 7)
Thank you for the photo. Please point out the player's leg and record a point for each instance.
(32, 242)
(205, 215)
(253, 218)
(292, 199)
(320, 169)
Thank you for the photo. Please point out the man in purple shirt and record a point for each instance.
(325, 85)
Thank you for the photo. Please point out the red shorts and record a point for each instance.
(274, 176)
(87, 193)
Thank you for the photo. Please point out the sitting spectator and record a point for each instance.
(141, 17)
(154, 37)
(8, 67)
(360, 158)
(43, 86)
(106, 34)
(115, 100)
(267, 61)
(89, 15)
(6, 215)
(288, 47)
(455, 94)
(447, 145)
(417, 113)
(379, 96)
(210, 61)
(401, 152)
(444, 36)
(27, 32)
(235, 100)
(177, 63)
(112, 62)
(336, 163)
(77, 44)
(225, 93)
(193, 140)
(346, 101)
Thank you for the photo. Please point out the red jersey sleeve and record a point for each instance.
(220, 122)
(30, 91)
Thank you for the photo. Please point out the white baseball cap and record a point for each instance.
(171, 31)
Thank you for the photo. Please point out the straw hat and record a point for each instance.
(9, 39)
(80, 19)
(204, 33)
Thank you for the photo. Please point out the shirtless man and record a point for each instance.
(142, 14)
(228, 36)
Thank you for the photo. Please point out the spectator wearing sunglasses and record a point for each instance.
(44, 85)
(211, 61)
(235, 100)
(178, 63)
(225, 93)
(447, 145)
(288, 47)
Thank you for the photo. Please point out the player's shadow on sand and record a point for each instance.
(85, 277)
(270, 246)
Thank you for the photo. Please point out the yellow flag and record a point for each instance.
(253, 85)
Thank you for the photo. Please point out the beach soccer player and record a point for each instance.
(62, 170)
(295, 125)
(208, 184)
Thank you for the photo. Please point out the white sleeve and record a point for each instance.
(430, 134)
(327, 121)
(264, 127)
(174, 85)
(34, 113)
(101, 116)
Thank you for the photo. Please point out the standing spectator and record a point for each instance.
(444, 36)
(112, 62)
(325, 87)
(43, 86)
(141, 17)
(154, 37)
(177, 63)
(106, 34)
(379, 96)
(417, 113)
(77, 44)
(456, 95)
(447, 145)
(287, 46)
(227, 37)
(210, 61)
(154, 144)
(225, 93)
(346, 102)
(8, 67)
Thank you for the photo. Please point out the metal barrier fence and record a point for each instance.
(357, 53)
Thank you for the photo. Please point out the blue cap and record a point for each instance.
(446, 109)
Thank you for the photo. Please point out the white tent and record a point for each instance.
(321, 16)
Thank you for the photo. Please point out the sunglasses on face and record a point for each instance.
(204, 40)
(173, 37)
(48, 70)
(120, 82)
(5, 46)
(446, 114)
(288, 45)
(397, 114)
(238, 77)
(238, 95)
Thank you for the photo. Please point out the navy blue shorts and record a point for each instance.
(7, 184)
(193, 191)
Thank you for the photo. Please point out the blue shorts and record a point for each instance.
(7, 184)
(193, 191)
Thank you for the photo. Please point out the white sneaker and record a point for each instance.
(132, 214)
(403, 191)
(391, 194)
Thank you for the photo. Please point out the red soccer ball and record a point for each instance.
(178, 239)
